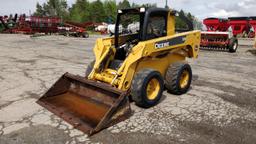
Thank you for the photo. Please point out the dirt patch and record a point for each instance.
(59, 59)
(63, 43)
(133, 138)
(238, 132)
(26, 61)
(252, 52)
(241, 97)
(1, 78)
(35, 135)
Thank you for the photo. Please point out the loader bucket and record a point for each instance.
(87, 105)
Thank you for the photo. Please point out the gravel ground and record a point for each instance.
(219, 108)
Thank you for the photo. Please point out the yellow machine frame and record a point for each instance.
(146, 54)
(102, 101)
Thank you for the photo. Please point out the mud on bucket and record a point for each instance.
(87, 105)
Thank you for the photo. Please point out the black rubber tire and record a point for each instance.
(139, 85)
(85, 35)
(233, 45)
(173, 76)
(89, 68)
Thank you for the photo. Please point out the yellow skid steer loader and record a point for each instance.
(145, 56)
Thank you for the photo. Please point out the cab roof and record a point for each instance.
(144, 10)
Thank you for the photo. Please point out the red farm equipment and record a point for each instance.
(73, 29)
(92, 25)
(34, 24)
(3, 25)
(252, 22)
(44, 24)
(47, 25)
(218, 36)
(7, 23)
(21, 26)
(240, 26)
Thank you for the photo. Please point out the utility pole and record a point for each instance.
(166, 4)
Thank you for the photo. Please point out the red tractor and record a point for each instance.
(218, 35)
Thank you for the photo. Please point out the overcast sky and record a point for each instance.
(199, 8)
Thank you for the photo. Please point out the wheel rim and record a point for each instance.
(184, 79)
(153, 88)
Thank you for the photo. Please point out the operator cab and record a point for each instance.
(138, 24)
(142, 24)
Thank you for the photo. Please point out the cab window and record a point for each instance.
(156, 27)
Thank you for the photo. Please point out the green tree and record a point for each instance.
(79, 12)
(149, 5)
(190, 17)
(110, 8)
(124, 4)
(197, 24)
(57, 8)
(134, 5)
(97, 12)
(39, 10)
(179, 23)
(75, 14)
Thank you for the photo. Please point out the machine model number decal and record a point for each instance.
(170, 42)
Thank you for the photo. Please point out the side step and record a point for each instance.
(87, 105)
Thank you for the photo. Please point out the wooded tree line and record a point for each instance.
(95, 11)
